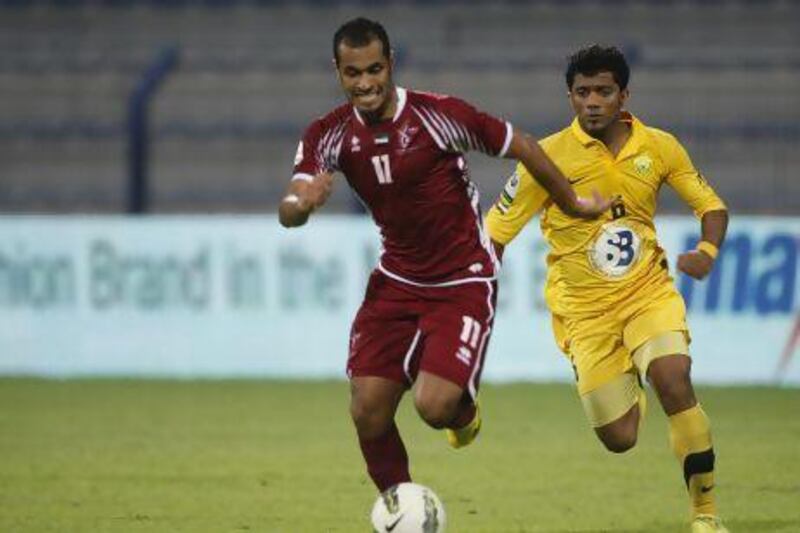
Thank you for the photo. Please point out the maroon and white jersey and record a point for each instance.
(411, 174)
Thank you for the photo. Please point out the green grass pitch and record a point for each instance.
(219, 456)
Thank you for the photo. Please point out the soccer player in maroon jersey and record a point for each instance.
(429, 305)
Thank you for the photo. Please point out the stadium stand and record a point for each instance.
(722, 75)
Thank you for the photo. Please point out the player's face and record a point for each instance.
(366, 77)
(597, 101)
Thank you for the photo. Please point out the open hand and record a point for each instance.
(595, 206)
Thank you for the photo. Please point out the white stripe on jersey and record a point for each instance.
(460, 141)
(434, 120)
(467, 138)
(509, 136)
(498, 264)
(329, 147)
(457, 142)
(480, 146)
(450, 134)
(430, 129)
(486, 243)
(320, 149)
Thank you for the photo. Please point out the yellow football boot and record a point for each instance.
(458, 438)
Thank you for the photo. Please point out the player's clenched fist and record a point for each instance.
(305, 195)
(695, 263)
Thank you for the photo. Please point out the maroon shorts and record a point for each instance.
(401, 329)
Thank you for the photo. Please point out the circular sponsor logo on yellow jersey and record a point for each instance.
(616, 250)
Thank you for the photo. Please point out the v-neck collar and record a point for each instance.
(631, 145)
(401, 104)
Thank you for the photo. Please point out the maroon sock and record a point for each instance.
(387, 460)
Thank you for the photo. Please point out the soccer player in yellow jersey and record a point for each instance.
(616, 313)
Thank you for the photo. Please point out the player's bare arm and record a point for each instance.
(526, 150)
(698, 263)
(303, 197)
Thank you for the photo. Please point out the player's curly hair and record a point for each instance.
(360, 32)
(593, 59)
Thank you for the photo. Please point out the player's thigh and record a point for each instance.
(457, 324)
(607, 383)
(658, 330)
(385, 337)
(595, 349)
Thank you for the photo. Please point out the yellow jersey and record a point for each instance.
(594, 265)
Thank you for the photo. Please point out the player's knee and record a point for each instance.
(436, 410)
(371, 419)
(619, 442)
(675, 391)
(670, 377)
(620, 435)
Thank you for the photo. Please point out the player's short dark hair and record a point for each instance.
(360, 32)
(593, 59)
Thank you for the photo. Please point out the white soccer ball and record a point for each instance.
(408, 508)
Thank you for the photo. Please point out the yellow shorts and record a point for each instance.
(601, 347)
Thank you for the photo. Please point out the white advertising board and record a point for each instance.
(241, 296)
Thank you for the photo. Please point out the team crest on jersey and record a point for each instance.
(355, 145)
(405, 135)
(643, 165)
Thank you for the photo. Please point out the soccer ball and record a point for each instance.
(408, 508)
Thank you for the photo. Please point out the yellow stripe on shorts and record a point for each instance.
(609, 402)
(668, 343)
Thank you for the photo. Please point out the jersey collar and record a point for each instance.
(401, 104)
(633, 142)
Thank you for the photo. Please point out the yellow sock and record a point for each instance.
(642, 406)
(690, 438)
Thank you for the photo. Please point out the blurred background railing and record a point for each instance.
(722, 75)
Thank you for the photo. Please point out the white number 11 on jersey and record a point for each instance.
(382, 169)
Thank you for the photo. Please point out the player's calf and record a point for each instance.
(373, 402)
(438, 401)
